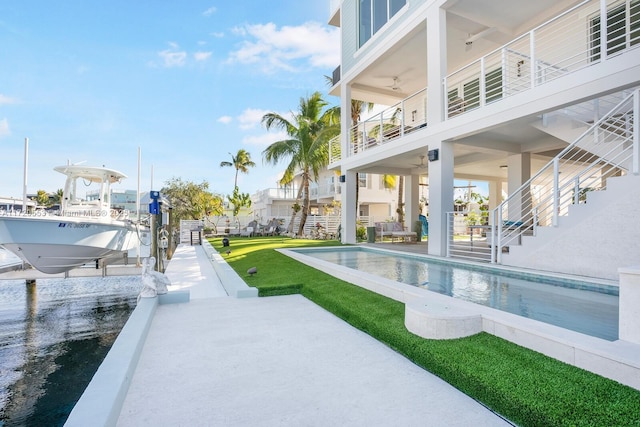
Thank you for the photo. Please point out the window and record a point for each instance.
(493, 85)
(362, 180)
(467, 97)
(373, 14)
(471, 91)
(617, 29)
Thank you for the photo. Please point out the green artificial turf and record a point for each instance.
(526, 387)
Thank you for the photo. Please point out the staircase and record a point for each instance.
(558, 221)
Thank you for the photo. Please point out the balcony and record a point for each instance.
(325, 191)
(556, 48)
(563, 45)
(264, 196)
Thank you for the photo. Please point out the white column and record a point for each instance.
(412, 197)
(436, 63)
(440, 197)
(345, 119)
(348, 211)
(519, 171)
(495, 197)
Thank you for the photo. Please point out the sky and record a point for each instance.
(186, 83)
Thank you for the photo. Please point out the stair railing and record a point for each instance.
(610, 147)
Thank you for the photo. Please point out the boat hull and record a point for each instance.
(58, 244)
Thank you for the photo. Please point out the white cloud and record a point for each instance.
(225, 119)
(4, 128)
(265, 139)
(251, 118)
(173, 56)
(217, 34)
(5, 100)
(209, 11)
(288, 48)
(201, 56)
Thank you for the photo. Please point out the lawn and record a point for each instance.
(524, 386)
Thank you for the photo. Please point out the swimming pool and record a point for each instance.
(588, 308)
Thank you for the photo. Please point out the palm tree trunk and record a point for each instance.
(293, 215)
(401, 200)
(305, 203)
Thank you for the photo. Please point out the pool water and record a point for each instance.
(584, 307)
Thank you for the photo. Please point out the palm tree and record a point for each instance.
(57, 196)
(357, 108)
(241, 162)
(307, 147)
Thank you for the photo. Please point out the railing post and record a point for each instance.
(445, 100)
(556, 192)
(402, 114)
(483, 83)
(492, 244)
(635, 167)
(498, 237)
(603, 30)
(505, 73)
(576, 190)
(532, 54)
(535, 221)
(449, 233)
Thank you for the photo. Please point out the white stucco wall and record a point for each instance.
(595, 240)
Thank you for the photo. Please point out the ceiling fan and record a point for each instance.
(395, 85)
(422, 164)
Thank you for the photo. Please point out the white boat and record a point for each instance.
(80, 232)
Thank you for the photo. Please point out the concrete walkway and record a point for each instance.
(278, 361)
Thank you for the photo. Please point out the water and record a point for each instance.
(583, 307)
(53, 337)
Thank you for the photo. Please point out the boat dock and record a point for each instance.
(198, 356)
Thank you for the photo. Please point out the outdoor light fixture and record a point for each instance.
(433, 155)
(343, 178)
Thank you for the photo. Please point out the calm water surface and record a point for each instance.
(53, 337)
(579, 306)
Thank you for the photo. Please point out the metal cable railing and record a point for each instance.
(467, 241)
(607, 149)
(565, 44)
(394, 122)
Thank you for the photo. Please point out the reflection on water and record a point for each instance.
(53, 336)
(580, 307)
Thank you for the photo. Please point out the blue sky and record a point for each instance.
(187, 82)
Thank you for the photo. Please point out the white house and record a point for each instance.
(533, 96)
(375, 202)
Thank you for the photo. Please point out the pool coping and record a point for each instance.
(618, 360)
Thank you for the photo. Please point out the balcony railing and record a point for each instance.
(394, 122)
(276, 193)
(565, 44)
(323, 191)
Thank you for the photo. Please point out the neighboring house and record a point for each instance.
(520, 94)
(375, 202)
